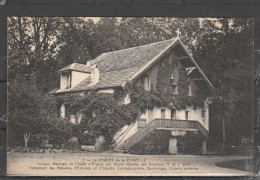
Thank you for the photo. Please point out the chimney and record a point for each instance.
(94, 75)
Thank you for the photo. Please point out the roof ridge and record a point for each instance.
(119, 70)
(72, 65)
(137, 46)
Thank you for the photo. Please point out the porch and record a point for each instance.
(169, 131)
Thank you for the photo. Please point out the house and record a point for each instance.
(164, 66)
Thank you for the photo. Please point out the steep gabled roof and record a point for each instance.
(131, 57)
(76, 67)
(119, 67)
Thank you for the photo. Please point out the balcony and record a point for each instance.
(165, 124)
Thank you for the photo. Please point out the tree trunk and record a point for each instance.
(26, 137)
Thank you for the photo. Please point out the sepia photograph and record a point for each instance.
(130, 96)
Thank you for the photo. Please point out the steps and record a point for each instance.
(165, 124)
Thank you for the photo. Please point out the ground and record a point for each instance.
(120, 164)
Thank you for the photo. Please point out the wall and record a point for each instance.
(63, 82)
(152, 73)
(76, 119)
(161, 82)
(78, 77)
(171, 66)
(194, 87)
(128, 130)
(194, 114)
(108, 90)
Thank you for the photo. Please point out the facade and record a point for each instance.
(162, 67)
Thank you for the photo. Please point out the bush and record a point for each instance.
(60, 131)
(38, 140)
(86, 139)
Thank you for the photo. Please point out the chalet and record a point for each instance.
(158, 128)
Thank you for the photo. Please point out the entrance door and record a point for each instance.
(173, 113)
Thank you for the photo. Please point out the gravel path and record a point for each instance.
(97, 164)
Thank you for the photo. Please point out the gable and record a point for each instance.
(182, 55)
(131, 57)
(170, 74)
(119, 67)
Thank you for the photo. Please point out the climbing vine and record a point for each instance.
(104, 114)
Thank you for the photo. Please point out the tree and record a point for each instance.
(29, 111)
(39, 46)
(229, 47)
(32, 44)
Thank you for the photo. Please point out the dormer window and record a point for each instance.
(146, 83)
(65, 80)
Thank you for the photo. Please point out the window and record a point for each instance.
(63, 111)
(163, 113)
(72, 119)
(186, 115)
(141, 123)
(172, 76)
(146, 83)
(94, 114)
(66, 81)
(188, 89)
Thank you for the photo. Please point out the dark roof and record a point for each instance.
(106, 80)
(131, 57)
(118, 67)
(76, 67)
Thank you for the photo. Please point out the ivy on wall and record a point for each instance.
(110, 114)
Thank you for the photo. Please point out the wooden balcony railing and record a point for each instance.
(186, 125)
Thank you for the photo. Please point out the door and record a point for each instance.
(186, 115)
(162, 113)
(173, 113)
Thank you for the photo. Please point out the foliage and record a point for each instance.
(105, 114)
(229, 47)
(60, 130)
(39, 46)
(29, 110)
(109, 116)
